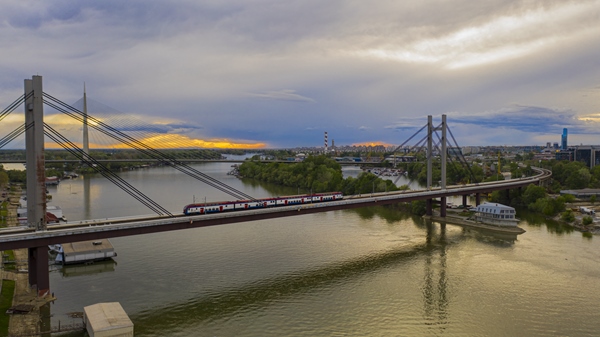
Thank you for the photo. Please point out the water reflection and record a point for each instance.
(389, 213)
(538, 220)
(435, 282)
(180, 316)
(88, 269)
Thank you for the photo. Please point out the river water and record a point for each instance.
(367, 272)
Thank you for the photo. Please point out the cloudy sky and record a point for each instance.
(278, 73)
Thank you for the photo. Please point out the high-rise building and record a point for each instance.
(563, 139)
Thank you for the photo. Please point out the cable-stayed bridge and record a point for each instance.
(37, 236)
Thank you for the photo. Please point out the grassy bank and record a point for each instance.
(6, 298)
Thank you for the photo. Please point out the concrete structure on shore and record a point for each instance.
(107, 320)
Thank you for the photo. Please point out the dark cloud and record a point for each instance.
(282, 95)
(531, 119)
(386, 66)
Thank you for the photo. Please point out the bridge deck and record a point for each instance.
(89, 230)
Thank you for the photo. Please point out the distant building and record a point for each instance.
(454, 151)
(563, 140)
(588, 154)
(556, 147)
(471, 149)
(564, 155)
(585, 193)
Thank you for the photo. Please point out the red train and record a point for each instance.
(226, 206)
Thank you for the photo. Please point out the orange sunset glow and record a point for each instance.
(372, 144)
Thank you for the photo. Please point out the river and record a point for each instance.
(367, 272)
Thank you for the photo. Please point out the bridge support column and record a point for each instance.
(38, 270)
(443, 206)
(429, 207)
(477, 199)
(464, 200)
(36, 182)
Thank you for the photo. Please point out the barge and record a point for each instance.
(85, 252)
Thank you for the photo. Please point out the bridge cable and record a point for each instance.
(109, 175)
(14, 134)
(153, 153)
(100, 168)
(452, 161)
(462, 157)
(134, 125)
(396, 149)
(14, 105)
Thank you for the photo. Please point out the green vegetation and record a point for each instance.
(3, 213)
(57, 168)
(455, 174)
(567, 216)
(587, 220)
(316, 174)
(9, 260)
(6, 298)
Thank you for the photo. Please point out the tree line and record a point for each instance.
(315, 174)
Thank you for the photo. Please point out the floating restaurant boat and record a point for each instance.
(85, 251)
(496, 214)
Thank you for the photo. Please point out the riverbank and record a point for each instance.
(23, 324)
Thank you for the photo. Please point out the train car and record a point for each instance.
(239, 205)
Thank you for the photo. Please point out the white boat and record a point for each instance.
(496, 214)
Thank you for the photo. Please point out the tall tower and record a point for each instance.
(326, 142)
(563, 139)
(86, 141)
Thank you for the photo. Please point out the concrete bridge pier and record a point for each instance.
(429, 207)
(477, 199)
(443, 206)
(36, 182)
(464, 200)
(38, 270)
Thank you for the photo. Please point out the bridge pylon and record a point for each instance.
(36, 182)
(430, 131)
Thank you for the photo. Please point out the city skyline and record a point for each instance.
(278, 74)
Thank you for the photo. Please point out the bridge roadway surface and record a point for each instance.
(109, 228)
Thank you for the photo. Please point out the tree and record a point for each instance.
(593, 199)
(419, 207)
(587, 220)
(3, 178)
(569, 198)
(579, 179)
(568, 216)
(533, 193)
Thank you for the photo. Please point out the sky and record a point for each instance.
(279, 73)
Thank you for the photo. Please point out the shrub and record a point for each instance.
(568, 216)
